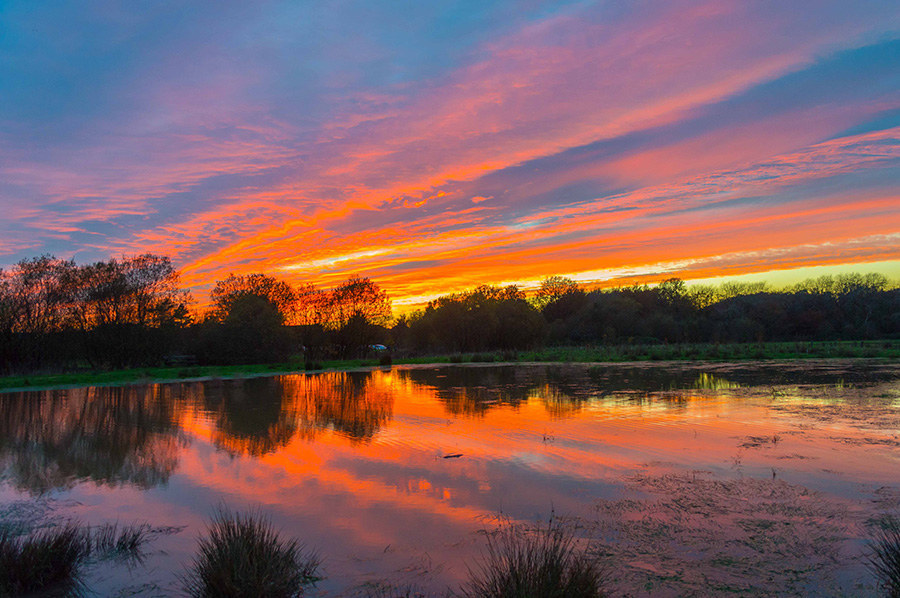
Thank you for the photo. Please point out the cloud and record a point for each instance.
(568, 137)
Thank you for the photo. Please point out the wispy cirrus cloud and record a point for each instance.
(441, 148)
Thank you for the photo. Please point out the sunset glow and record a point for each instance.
(433, 147)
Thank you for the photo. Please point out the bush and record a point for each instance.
(545, 563)
(243, 555)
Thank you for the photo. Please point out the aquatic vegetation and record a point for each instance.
(884, 560)
(43, 561)
(547, 562)
(243, 555)
(113, 540)
(50, 560)
(388, 590)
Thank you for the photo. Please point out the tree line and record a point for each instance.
(131, 311)
(562, 312)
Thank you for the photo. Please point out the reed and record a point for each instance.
(120, 541)
(243, 555)
(48, 560)
(884, 560)
(522, 563)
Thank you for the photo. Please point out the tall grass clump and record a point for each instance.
(243, 555)
(45, 561)
(884, 560)
(524, 564)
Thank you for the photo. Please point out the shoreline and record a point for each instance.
(143, 376)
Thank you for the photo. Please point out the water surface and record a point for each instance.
(690, 479)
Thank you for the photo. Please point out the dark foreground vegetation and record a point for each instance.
(243, 555)
(885, 558)
(49, 561)
(60, 317)
(546, 563)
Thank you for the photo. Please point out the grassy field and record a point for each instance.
(883, 349)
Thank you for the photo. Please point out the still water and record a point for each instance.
(689, 479)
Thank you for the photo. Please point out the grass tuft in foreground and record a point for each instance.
(45, 561)
(48, 562)
(521, 563)
(884, 561)
(243, 555)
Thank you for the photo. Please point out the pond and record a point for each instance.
(689, 479)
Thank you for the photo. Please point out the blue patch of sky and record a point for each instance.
(887, 119)
(410, 265)
(858, 75)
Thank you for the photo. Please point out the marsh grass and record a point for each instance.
(120, 541)
(387, 590)
(884, 560)
(243, 555)
(45, 562)
(48, 562)
(547, 562)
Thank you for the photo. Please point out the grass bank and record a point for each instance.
(882, 349)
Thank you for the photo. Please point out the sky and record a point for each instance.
(435, 146)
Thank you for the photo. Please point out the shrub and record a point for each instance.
(243, 555)
(546, 563)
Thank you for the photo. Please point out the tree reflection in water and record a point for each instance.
(261, 415)
(563, 390)
(250, 416)
(130, 435)
(51, 440)
(472, 391)
(353, 404)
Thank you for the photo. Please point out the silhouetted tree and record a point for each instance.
(277, 292)
(357, 312)
(115, 312)
(484, 318)
(251, 331)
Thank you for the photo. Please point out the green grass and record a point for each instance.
(523, 564)
(146, 375)
(717, 352)
(243, 555)
(884, 349)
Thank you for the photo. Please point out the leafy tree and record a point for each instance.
(358, 298)
(277, 292)
(484, 318)
(552, 288)
(357, 312)
(115, 312)
(559, 298)
(251, 331)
